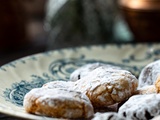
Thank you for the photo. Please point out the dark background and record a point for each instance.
(77, 23)
(21, 28)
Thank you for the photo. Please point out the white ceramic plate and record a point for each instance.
(20, 76)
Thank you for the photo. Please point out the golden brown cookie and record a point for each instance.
(59, 103)
(106, 87)
(86, 69)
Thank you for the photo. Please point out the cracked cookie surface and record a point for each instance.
(105, 87)
(59, 103)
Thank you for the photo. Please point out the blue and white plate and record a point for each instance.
(20, 76)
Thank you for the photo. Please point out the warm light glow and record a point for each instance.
(134, 3)
(130, 3)
(140, 4)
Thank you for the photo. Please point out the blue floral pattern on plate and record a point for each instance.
(60, 69)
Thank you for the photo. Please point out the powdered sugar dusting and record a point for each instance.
(108, 116)
(139, 105)
(58, 84)
(99, 80)
(86, 69)
(56, 99)
(149, 74)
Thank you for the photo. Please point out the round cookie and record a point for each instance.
(141, 107)
(106, 87)
(108, 116)
(59, 103)
(149, 74)
(86, 69)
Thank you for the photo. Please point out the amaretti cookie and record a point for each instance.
(108, 116)
(141, 107)
(106, 87)
(86, 69)
(59, 103)
(149, 74)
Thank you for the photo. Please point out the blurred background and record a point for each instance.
(32, 26)
(21, 28)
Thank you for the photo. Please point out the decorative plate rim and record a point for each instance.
(51, 53)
